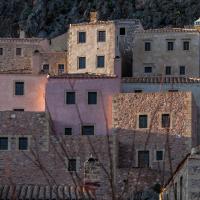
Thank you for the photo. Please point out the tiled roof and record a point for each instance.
(167, 29)
(160, 79)
(16, 71)
(83, 76)
(21, 40)
(42, 192)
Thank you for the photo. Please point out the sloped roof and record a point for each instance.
(42, 192)
(161, 79)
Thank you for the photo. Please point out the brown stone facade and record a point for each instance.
(175, 142)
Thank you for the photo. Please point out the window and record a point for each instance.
(168, 70)
(72, 165)
(122, 31)
(3, 143)
(81, 63)
(170, 46)
(175, 190)
(159, 155)
(92, 98)
(19, 88)
(182, 70)
(186, 45)
(100, 61)
(147, 46)
(138, 91)
(68, 131)
(81, 37)
(165, 120)
(46, 68)
(61, 68)
(147, 70)
(18, 109)
(172, 90)
(143, 159)
(70, 98)
(18, 51)
(88, 130)
(1, 51)
(143, 121)
(101, 36)
(23, 143)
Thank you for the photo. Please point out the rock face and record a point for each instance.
(50, 17)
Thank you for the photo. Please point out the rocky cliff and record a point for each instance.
(48, 18)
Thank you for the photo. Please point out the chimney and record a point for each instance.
(22, 34)
(94, 16)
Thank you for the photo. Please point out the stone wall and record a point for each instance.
(131, 139)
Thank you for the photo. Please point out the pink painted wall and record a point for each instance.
(65, 115)
(34, 92)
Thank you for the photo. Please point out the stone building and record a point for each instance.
(93, 45)
(151, 128)
(167, 51)
(184, 184)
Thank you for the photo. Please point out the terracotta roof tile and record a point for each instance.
(161, 79)
(16, 71)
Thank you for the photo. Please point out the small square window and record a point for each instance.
(147, 70)
(186, 45)
(100, 61)
(72, 165)
(92, 98)
(101, 37)
(122, 31)
(182, 70)
(18, 51)
(138, 91)
(170, 46)
(19, 88)
(81, 62)
(1, 51)
(61, 68)
(81, 37)
(165, 120)
(143, 159)
(88, 130)
(18, 109)
(70, 98)
(143, 121)
(23, 143)
(172, 90)
(3, 143)
(147, 46)
(46, 68)
(68, 131)
(159, 155)
(168, 70)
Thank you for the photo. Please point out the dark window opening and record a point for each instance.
(68, 131)
(159, 155)
(168, 70)
(61, 68)
(100, 61)
(122, 31)
(19, 88)
(18, 109)
(143, 159)
(181, 188)
(143, 121)
(81, 63)
(92, 97)
(72, 165)
(147, 46)
(101, 36)
(170, 46)
(18, 51)
(138, 91)
(147, 70)
(186, 45)
(81, 37)
(46, 68)
(88, 130)
(70, 97)
(182, 70)
(1, 51)
(165, 120)
(3, 143)
(23, 143)
(172, 90)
